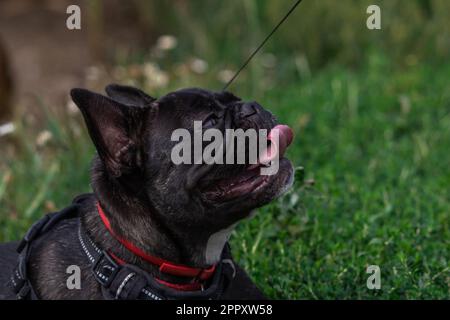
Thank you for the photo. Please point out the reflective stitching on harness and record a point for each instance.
(93, 245)
(124, 282)
(102, 276)
(151, 295)
(90, 257)
(13, 281)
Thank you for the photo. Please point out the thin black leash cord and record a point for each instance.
(262, 44)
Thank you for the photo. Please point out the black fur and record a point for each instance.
(159, 206)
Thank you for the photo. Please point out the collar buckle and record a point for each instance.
(105, 269)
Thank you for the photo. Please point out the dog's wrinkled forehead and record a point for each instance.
(194, 98)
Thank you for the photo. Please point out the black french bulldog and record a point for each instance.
(162, 221)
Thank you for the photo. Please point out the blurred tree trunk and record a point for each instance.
(6, 86)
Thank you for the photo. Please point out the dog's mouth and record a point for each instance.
(251, 179)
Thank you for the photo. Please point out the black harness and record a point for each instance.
(122, 282)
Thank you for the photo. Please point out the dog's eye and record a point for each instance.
(210, 121)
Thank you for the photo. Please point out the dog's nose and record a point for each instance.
(248, 109)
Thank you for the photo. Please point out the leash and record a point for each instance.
(262, 44)
(117, 279)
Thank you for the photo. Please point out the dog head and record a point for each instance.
(133, 135)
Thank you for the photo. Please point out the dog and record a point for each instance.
(150, 229)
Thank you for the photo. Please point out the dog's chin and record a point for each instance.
(249, 189)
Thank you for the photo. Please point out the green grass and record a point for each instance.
(374, 145)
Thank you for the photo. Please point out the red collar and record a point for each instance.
(164, 265)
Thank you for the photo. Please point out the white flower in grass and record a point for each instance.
(198, 65)
(225, 75)
(7, 128)
(93, 73)
(71, 107)
(43, 137)
(166, 42)
(154, 76)
(150, 69)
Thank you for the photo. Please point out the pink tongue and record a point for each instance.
(285, 136)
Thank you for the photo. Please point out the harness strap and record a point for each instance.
(118, 279)
(123, 281)
(20, 282)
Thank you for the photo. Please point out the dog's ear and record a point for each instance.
(113, 127)
(128, 95)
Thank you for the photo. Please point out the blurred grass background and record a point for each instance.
(370, 109)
